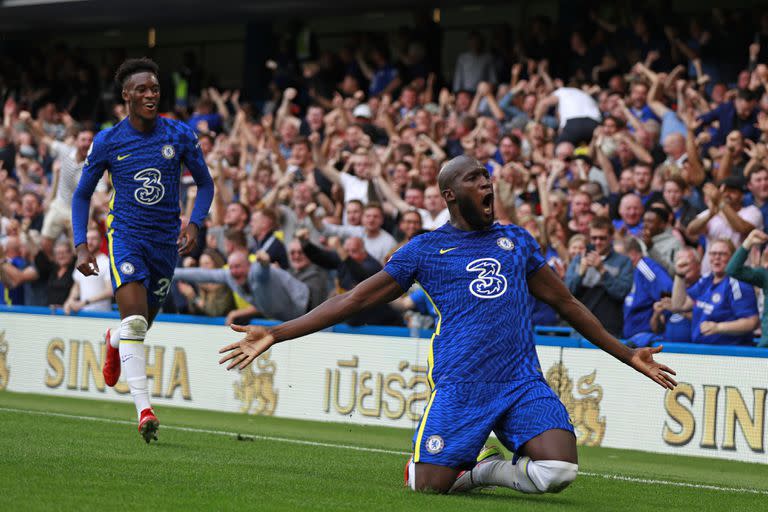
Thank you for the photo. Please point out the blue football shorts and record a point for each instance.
(149, 262)
(459, 418)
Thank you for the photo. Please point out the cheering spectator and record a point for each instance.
(724, 309)
(630, 216)
(16, 271)
(264, 223)
(378, 243)
(91, 293)
(601, 278)
(210, 299)
(660, 243)
(738, 114)
(270, 290)
(756, 276)
(676, 327)
(725, 217)
(308, 273)
(353, 265)
(650, 283)
(757, 185)
(578, 112)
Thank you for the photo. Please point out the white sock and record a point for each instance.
(133, 330)
(528, 476)
(114, 336)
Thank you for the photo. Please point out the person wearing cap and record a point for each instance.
(725, 217)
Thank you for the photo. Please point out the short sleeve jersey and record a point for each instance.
(477, 281)
(727, 300)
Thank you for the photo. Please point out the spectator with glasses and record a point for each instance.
(724, 309)
(601, 278)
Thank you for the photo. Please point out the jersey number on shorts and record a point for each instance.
(151, 191)
(490, 283)
(162, 287)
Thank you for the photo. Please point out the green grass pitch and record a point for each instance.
(75, 454)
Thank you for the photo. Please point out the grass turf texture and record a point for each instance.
(54, 462)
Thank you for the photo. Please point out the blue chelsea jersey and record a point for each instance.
(650, 280)
(727, 300)
(477, 281)
(145, 169)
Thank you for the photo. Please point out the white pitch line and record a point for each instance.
(605, 476)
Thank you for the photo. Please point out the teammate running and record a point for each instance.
(483, 368)
(144, 155)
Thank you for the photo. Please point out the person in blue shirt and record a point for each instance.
(738, 114)
(676, 327)
(630, 219)
(724, 309)
(483, 369)
(650, 282)
(145, 156)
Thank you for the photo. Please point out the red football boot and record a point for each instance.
(148, 425)
(111, 369)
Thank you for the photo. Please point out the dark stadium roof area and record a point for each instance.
(30, 15)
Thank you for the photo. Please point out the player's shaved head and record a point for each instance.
(455, 168)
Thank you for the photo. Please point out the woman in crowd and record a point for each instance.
(756, 276)
(724, 309)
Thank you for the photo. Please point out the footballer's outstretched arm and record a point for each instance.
(378, 289)
(546, 286)
(95, 165)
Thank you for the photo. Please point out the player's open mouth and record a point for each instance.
(150, 106)
(488, 204)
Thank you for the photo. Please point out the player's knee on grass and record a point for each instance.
(430, 479)
(552, 475)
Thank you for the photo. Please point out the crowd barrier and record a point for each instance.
(378, 376)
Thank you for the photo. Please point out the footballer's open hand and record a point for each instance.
(257, 341)
(642, 361)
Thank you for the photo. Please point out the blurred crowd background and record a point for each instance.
(630, 144)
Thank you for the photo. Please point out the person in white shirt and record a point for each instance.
(725, 218)
(71, 160)
(357, 185)
(429, 203)
(578, 112)
(91, 293)
(378, 243)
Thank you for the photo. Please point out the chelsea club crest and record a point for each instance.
(505, 243)
(435, 444)
(168, 152)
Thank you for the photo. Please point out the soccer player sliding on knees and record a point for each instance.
(144, 156)
(483, 369)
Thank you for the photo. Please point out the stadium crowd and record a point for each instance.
(635, 155)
